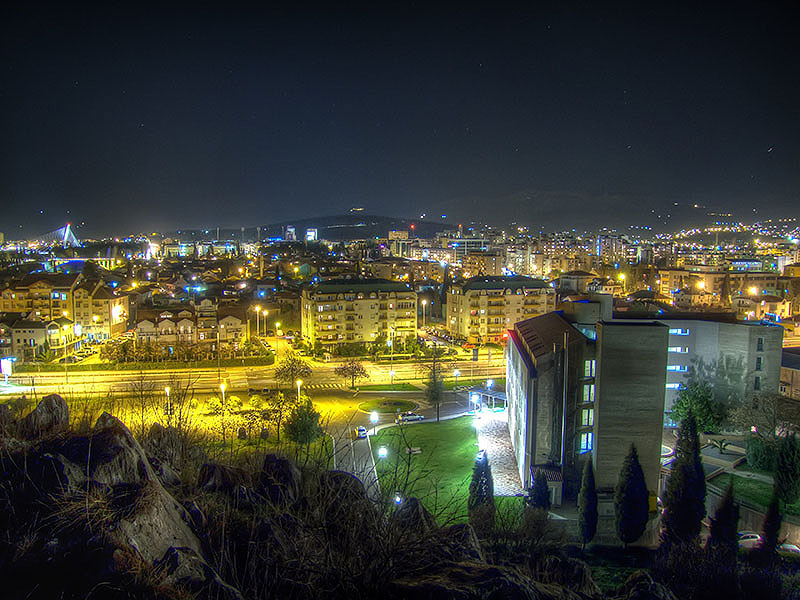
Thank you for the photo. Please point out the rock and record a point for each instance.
(473, 581)
(6, 420)
(197, 515)
(171, 446)
(570, 573)
(183, 567)
(461, 544)
(215, 477)
(279, 480)
(51, 415)
(640, 586)
(164, 472)
(413, 516)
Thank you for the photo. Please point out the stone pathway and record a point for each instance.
(493, 437)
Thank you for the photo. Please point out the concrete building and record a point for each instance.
(41, 296)
(101, 313)
(790, 373)
(482, 263)
(357, 310)
(482, 309)
(574, 390)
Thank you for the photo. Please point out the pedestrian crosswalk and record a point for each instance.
(323, 386)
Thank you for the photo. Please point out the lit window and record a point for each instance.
(678, 368)
(679, 332)
(587, 417)
(587, 442)
(673, 386)
(678, 349)
(588, 368)
(588, 393)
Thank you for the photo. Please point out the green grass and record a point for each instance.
(499, 384)
(386, 387)
(440, 474)
(757, 492)
(384, 405)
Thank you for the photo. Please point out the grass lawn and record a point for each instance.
(440, 474)
(758, 492)
(387, 405)
(386, 387)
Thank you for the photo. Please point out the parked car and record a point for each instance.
(361, 432)
(407, 417)
(749, 539)
(786, 547)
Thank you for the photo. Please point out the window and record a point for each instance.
(678, 349)
(588, 368)
(757, 383)
(588, 393)
(679, 332)
(673, 386)
(760, 345)
(587, 442)
(758, 363)
(587, 417)
(677, 368)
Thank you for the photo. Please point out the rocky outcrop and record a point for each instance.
(640, 586)
(166, 475)
(460, 543)
(215, 477)
(412, 516)
(51, 415)
(7, 423)
(183, 567)
(279, 480)
(170, 446)
(570, 573)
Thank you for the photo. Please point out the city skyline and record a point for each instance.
(559, 117)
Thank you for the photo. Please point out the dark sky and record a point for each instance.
(564, 115)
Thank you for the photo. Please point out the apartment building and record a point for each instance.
(203, 323)
(574, 392)
(482, 309)
(41, 296)
(357, 310)
(101, 312)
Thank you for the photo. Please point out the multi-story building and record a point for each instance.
(204, 323)
(357, 310)
(481, 309)
(101, 312)
(30, 337)
(790, 373)
(482, 263)
(42, 296)
(574, 391)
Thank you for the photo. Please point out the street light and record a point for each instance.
(383, 452)
(456, 373)
(258, 320)
(169, 406)
(374, 418)
(489, 383)
(299, 382)
(424, 304)
(277, 327)
(391, 375)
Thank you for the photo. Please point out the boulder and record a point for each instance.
(171, 446)
(183, 567)
(459, 543)
(412, 516)
(215, 477)
(279, 480)
(164, 472)
(570, 573)
(6, 420)
(640, 586)
(51, 415)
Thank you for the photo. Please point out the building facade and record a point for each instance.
(482, 309)
(342, 311)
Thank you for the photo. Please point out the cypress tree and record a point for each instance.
(481, 488)
(724, 541)
(540, 493)
(787, 471)
(685, 494)
(770, 530)
(587, 504)
(631, 502)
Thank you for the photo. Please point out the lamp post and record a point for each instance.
(424, 304)
(299, 382)
(222, 389)
(169, 406)
(277, 327)
(374, 418)
(258, 321)
(456, 373)
(391, 376)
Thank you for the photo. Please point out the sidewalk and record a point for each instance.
(493, 436)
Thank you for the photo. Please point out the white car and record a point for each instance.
(749, 540)
(785, 547)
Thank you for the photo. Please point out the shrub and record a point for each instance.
(762, 453)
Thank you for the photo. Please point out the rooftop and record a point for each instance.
(344, 285)
(499, 282)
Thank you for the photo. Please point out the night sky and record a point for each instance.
(565, 115)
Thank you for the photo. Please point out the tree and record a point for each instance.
(302, 426)
(758, 414)
(770, 531)
(587, 504)
(480, 502)
(631, 500)
(787, 472)
(352, 370)
(685, 494)
(434, 380)
(291, 368)
(540, 492)
(278, 406)
(698, 398)
(723, 542)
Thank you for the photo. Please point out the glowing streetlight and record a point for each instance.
(299, 382)
(701, 285)
(753, 290)
(489, 383)
(277, 327)
(424, 304)
(169, 406)
(391, 376)
(258, 320)
(374, 418)
(456, 373)
(383, 452)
